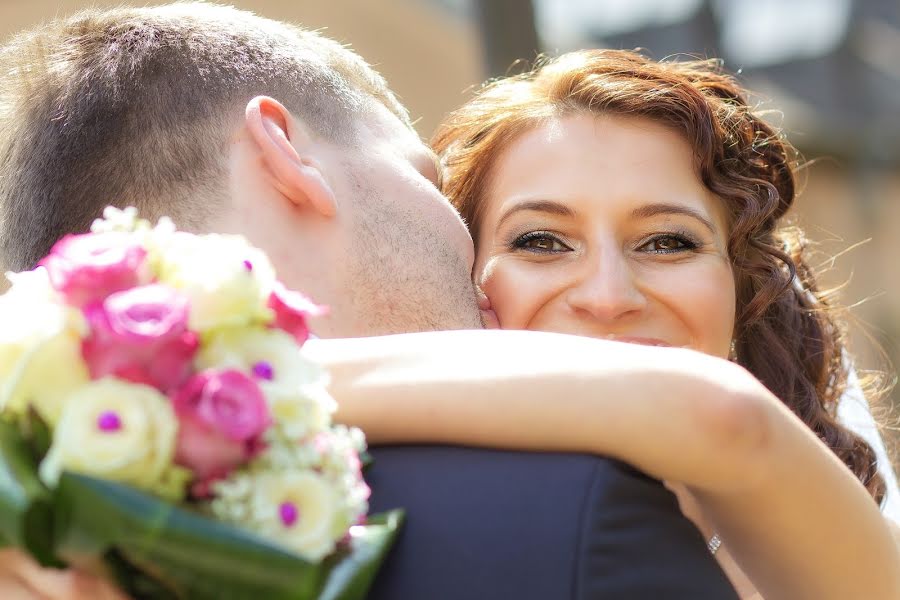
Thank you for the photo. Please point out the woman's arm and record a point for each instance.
(541, 391)
(794, 517)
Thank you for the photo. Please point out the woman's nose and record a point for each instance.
(606, 289)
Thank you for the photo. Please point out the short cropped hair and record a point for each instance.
(134, 106)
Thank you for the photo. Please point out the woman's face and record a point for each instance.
(598, 226)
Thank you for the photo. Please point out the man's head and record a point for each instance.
(229, 122)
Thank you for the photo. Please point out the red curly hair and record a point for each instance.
(786, 332)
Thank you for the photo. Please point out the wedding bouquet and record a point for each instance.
(161, 425)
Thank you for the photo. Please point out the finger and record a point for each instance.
(73, 585)
(12, 585)
(76, 585)
(58, 584)
(14, 589)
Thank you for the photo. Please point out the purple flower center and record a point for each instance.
(248, 265)
(288, 513)
(109, 421)
(264, 370)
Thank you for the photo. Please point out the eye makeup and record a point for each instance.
(539, 242)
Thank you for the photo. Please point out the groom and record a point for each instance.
(231, 123)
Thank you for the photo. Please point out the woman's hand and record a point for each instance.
(21, 578)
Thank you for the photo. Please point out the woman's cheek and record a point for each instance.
(491, 282)
(515, 289)
(709, 303)
(503, 284)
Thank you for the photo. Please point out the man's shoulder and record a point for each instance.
(492, 524)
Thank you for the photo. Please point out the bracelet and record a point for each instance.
(714, 543)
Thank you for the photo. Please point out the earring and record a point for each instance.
(732, 353)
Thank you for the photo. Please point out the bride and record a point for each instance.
(614, 197)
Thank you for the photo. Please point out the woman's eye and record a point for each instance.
(668, 244)
(545, 244)
(539, 242)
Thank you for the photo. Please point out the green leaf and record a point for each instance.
(25, 511)
(140, 585)
(366, 460)
(351, 574)
(37, 432)
(191, 556)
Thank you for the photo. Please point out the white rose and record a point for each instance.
(118, 431)
(45, 377)
(40, 347)
(227, 280)
(299, 511)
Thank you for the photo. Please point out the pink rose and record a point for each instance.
(222, 415)
(291, 311)
(141, 335)
(87, 268)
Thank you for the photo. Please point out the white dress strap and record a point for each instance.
(855, 413)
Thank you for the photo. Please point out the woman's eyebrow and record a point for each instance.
(651, 210)
(546, 206)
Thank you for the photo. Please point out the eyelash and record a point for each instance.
(687, 241)
(519, 242)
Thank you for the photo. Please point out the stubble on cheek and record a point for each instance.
(407, 278)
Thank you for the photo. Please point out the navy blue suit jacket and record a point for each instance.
(496, 525)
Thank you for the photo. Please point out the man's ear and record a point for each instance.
(283, 142)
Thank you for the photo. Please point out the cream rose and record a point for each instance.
(227, 281)
(299, 511)
(40, 347)
(114, 430)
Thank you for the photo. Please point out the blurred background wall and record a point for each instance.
(832, 68)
